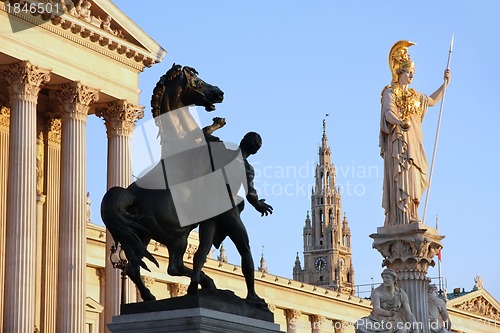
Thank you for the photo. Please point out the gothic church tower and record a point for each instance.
(327, 237)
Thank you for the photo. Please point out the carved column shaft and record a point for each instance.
(75, 100)
(119, 117)
(24, 81)
(50, 246)
(409, 250)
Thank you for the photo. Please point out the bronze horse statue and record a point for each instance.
(137, 214)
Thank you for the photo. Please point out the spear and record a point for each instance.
(437, 133)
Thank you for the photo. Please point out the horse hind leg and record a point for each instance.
(176, 266)
(133, 272)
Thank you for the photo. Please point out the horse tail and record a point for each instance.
(160, 88)
(126, 227)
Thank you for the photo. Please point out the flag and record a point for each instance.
(439, 255)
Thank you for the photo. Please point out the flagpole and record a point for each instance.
(437, 134)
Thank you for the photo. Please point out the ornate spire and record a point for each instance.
(222, 256)
(263, 266)
(324, 140)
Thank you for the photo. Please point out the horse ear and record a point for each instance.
(173, 65)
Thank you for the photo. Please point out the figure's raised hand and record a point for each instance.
(219, 121)
(263, 208)
(447, 76)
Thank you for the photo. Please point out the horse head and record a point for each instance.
(180, 86)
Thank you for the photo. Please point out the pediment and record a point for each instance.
(92, 305)
(478, 302)
(105, 15)
(98, 25)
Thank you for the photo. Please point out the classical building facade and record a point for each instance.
(56, 70)
(55, 274)
(327, 237)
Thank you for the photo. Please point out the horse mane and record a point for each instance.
(161, 86)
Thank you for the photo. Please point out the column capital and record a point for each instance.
(339, 325)
(75, 99)
(177, 289)
(4, 116)
(24, 79)
(119, 116)
(408, 249)
(292, 314)
(148, 280)
(54, 130)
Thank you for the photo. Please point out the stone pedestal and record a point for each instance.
(409, 249)
(221, 311)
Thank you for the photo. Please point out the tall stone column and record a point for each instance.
(24, 82)
(120, 118)
(75, 99)
(408, 249)
(4, 156)
(50, 244)
(292, 317)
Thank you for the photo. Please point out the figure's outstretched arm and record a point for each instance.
(218, 122)
(252, 196)
(438, 94)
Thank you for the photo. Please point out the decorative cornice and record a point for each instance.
(120, 117)
(89, 32)
(24, 80)
(75, 99)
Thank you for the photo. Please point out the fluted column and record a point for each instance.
(50, 245)
(24, 81)
(120, 118)
(75, 99)
(292, 317)
(4, 156)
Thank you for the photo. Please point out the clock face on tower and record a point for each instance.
(320, 263)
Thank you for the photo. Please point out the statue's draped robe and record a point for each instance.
(405, 164)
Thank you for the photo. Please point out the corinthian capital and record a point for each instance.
(120, 116)
(24, 80)
(75, 99)
(292, 314)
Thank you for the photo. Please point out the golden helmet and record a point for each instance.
(400, 58)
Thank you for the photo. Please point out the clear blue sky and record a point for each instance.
(284, 64)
